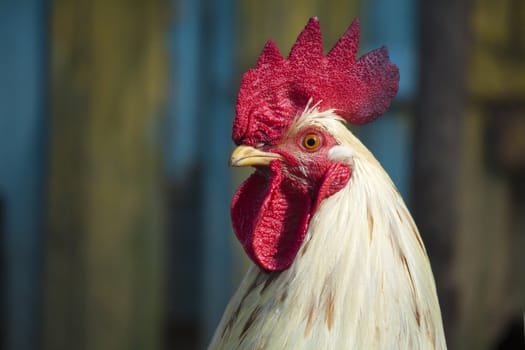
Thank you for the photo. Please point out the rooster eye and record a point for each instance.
(311, 142)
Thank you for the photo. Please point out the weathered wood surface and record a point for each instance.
(23, 128)
(104, 257)
(468, 201)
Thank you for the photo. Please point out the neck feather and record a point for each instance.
(365, 263)
(361, 280)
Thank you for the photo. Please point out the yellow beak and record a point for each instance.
(247, 156)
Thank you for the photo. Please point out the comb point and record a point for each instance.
(346, 47)
(270, 55)
(309, 44)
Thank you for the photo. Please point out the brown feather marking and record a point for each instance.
(253, 316)
(370, 223)
(284, 296)
(269, 279)
(416, 312)
(329, 314)
(226, 328)
(256, 282)
(418, 316)
(404, 260)
(399, 216)
(430, 333)
(415, 232)
(309, 321)
(232, 319)
(259, 278)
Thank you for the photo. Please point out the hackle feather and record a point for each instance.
(361, 280)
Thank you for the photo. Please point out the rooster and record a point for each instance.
(338, 260)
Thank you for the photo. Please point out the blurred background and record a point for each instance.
(115, 121)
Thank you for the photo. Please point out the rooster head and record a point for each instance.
(276, 132)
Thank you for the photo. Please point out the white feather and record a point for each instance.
(362, 279)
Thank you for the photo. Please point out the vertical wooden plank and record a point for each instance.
(185, 46)
(3, 277)
(489, 245)
(64, 312)
(491, 242)
(198, 146)
(183, 132)
(22, 152)
(215, 122)
(104, 261)
(438, 132)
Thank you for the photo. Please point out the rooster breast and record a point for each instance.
(361, 280)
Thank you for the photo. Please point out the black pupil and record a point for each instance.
(311, 142)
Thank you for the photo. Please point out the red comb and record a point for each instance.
(273, 93)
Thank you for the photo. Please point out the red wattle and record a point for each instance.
(335, 178)
(270, 217)
(270, 214)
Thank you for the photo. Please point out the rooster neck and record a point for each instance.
(361, 279)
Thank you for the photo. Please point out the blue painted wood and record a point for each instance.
(22, 133)
(216, 146)
(198, 136)
(181, 158)
(185, 47)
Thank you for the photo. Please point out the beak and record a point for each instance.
(246, 156)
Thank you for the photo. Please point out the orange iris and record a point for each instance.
(311, 142)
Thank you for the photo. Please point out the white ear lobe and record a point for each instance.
(341, 154)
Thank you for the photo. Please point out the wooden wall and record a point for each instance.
(118, 177)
